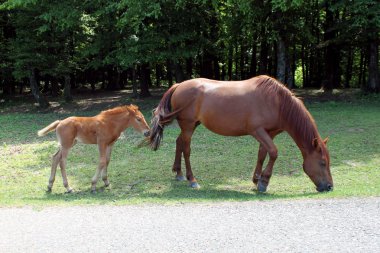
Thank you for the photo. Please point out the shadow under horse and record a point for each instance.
(261, 107)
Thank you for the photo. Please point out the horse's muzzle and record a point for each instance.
(325, 187)
(147, 133)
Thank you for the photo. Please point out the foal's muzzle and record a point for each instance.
(147, 133)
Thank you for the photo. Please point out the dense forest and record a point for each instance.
(52, 48)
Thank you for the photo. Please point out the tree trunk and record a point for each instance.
(169, 75)
(67, 89)
(134, 83)
(348, 74)
(263, 57)
(281, 60)
(230, 56)
(189, 68)
(43, 103)
(145, 80)
(54, 86)
(373, 67)
(252, 70)
(158, 74)
(179, 75)
(332, 55)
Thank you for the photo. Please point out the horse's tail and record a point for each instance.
(163, 116)
(49, 128)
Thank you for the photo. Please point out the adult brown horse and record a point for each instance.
(261, 107)
(103, 129)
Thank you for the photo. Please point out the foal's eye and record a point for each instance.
(138, 119)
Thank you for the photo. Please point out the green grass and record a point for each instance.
(222, 165)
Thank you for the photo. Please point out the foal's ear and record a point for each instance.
(326, 140)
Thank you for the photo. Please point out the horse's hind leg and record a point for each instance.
(62, 164)
(187, 130)
(55, 160)
(177, 161)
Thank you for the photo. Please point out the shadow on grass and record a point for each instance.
(175, 194)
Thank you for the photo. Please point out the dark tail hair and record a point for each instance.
(163, 116)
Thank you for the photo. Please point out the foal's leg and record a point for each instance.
(187, 130)
(177, 161)
(55, 160)
(266, 141)
(101, 166)
(104, 171)
(62, 164)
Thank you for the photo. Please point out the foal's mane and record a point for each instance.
(293, 113)
(119, 109)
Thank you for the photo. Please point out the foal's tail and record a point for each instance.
(163, 116)
(49, 128)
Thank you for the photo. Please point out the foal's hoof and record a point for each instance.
(261, 187)
(180, 178)
(195, 185)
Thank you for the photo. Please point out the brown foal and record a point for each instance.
(103, 129)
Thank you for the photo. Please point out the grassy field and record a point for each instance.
(222, 165)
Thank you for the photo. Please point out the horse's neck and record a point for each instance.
(304, 141)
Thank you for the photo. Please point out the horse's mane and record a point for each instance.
(119, 109)
(293, 112)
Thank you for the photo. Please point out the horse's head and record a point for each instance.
(317, 166)
(138, 121)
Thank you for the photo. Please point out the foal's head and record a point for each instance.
(317, 166)
(137, 120)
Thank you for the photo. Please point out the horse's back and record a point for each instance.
(227, 108)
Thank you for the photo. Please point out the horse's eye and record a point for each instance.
(323, 163)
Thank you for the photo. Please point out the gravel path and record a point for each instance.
(345, 225)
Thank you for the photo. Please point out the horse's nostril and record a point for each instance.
(329, 187)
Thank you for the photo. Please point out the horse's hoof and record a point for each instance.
(180, 178)
(106, 185)
(69, 191)
(261, 187)
(48, 190)
(195, 185)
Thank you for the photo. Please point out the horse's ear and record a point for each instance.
(326, 140)
(315, 144)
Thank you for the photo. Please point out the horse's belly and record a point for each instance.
(228, 126)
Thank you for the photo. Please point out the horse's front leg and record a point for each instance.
(104, 171)
(266, 141)
(261, 155)
(101, 166)
(177, 161)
